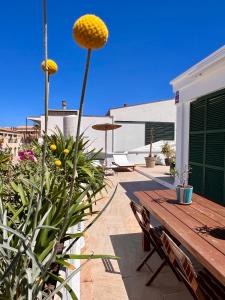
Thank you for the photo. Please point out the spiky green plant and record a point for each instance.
(40, 203)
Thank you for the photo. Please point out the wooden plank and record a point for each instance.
(205, 253)
(194, 220)
(215, 207)
(214, 215)
(209, 204)
(201, 213)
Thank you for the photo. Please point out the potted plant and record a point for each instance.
(172, 165)
(168, 152)
(183, 189)
(150, 160)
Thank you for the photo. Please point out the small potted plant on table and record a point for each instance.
(183, 190)
(150, 160)
(168, 152)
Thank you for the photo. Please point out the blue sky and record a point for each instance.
(150, 43)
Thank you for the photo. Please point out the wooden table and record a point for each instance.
(199, 227)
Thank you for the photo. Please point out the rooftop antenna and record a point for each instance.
(64, 105)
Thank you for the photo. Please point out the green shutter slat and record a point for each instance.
(197, 115)
(215, 143)
(161, 131)
(214, 180)
(195, 178)
(207, 146)
(196, 148)
(215, 112)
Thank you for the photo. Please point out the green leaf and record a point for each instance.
(67, 287)
(13, 231)
(86, 256)
(69, 163)
(70, 236)
(14, 186)
(87, 171)
(46, 251)
(22, 194)
(64, 263)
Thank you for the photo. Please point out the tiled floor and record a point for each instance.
(160, 173)
(118, 233)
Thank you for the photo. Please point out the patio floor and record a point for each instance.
(117, 233)
(160, 173)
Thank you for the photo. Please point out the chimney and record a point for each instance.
(64, 105)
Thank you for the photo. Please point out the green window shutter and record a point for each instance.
(215, 143)
(161, 131)
(214, 185)
(207, 146)
(197, 113)
(215, 112)
(196, 178)
(196, 148)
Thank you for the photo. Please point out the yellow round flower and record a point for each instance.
(66, 151)
(53, 147)
(51, 66)
(58, 163)
(90, 32)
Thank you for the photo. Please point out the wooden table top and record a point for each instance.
(200, 226)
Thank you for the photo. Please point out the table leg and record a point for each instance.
(145, 241)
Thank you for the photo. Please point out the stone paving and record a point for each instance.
(117, 233)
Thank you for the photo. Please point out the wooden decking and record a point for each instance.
(200, 227)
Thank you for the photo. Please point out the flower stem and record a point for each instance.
(76, 150)
(46, 97)
(65, 221)
(79, 122)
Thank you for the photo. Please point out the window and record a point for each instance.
(161, 131)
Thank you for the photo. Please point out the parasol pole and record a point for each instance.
(106, 148)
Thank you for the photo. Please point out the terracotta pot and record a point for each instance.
(150, 162)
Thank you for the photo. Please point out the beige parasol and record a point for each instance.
(106, 127)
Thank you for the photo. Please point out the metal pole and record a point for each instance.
(151, 140)
(106, 148)
(26, 132)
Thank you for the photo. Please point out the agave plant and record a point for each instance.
(51, 190)
(31, 244)
(5, 159)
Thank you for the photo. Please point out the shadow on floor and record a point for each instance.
(128, 248)
(135, 186)
(166, 286)
(166, 179)
(108, 266)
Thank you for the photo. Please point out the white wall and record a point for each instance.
(96, 137)
(53, 121)
(129, 136)
(163, 111)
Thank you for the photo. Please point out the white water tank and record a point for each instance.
(70, 126)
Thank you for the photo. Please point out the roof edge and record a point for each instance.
(143, 103)
(201, 65)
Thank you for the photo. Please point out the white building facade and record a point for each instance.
(136, 121)
(200, 134)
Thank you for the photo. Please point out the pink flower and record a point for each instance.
(27, 155)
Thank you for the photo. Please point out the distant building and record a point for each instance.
(136, 121)
(28, 133)
(10, 139)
